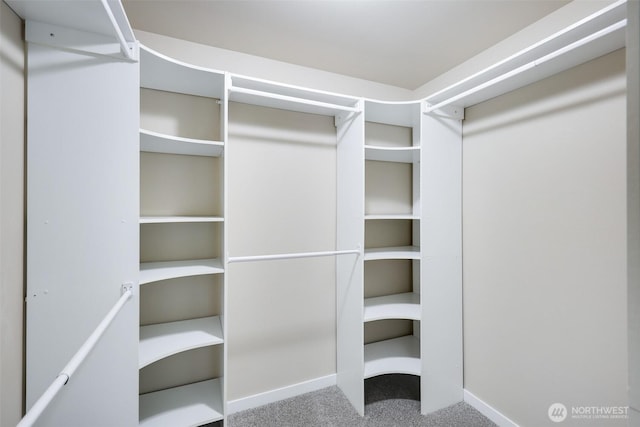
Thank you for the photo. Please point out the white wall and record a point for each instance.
(11, 215)
(282, 198)
(544, 246)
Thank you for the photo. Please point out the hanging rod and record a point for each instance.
(124, 46)
(250, 258)
(528, 66)
(65, 375)
(293, 99)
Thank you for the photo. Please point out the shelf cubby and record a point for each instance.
(189, 405)
(395, 306)
(394, 356)
(392, 154)
(155, 271)
(165, 339)
(156, 142)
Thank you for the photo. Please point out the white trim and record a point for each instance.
(278, 394)
(487, 410)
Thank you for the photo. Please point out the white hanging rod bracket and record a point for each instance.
(70, 368)
(293, 99)
(447, 111)
(250, 258)
(127, 50)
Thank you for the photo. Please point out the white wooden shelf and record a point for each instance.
(394, 356)
(396, 252)
(393, 113)
(158, 71)
(155, 142)
(287, 97)
(373, 217)
(178, 219)
(155, 271)
(392, 154)
(165, 339)
(190, 405)
(396, 306)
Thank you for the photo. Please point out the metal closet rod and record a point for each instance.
(293, 99)
(250, 258)
(65, 375)
(519, 70)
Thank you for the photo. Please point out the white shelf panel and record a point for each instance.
(186, 406)
(178, 219)
(155, 142)
(155, 271)
(394, 356)
(165, 339)
(287, 97)
(158, 71)
(396, 306)
(396, 252)
(393, 113)
(391, 216)
(392, 154)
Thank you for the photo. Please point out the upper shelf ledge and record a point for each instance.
(287, 97)
(94, 27)
(596, 35)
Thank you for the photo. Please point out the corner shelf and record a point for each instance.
(158, 71)
(392, 154)
(156, 142)
(156, 271)
(394, 356)
(189, 405)
(395, 306)
(165, 339)
(396, 252)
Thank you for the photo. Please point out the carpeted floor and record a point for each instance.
(391, 401)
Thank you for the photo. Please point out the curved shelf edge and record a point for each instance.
(396, 252)
(396, 306)
(392, 154)
(156, 142)
(394, 356)
(156, 271)
(166, 339)
(158, 219)
(193, 405)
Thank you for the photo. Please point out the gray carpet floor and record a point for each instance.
(391, 401)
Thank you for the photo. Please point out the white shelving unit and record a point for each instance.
(394, 356)
(202, 402)
(165, 339)
(190, 405)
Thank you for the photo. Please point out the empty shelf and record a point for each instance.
(190, 405)
(156, 142)
(155, 271)
(392, 154)
(394, 356)
(175, 219)
(396, 252)
(391, 216)
(165, 339)
(158, 71)
(396, 306)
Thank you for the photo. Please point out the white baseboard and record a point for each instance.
(271, 396)
(487, 410)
